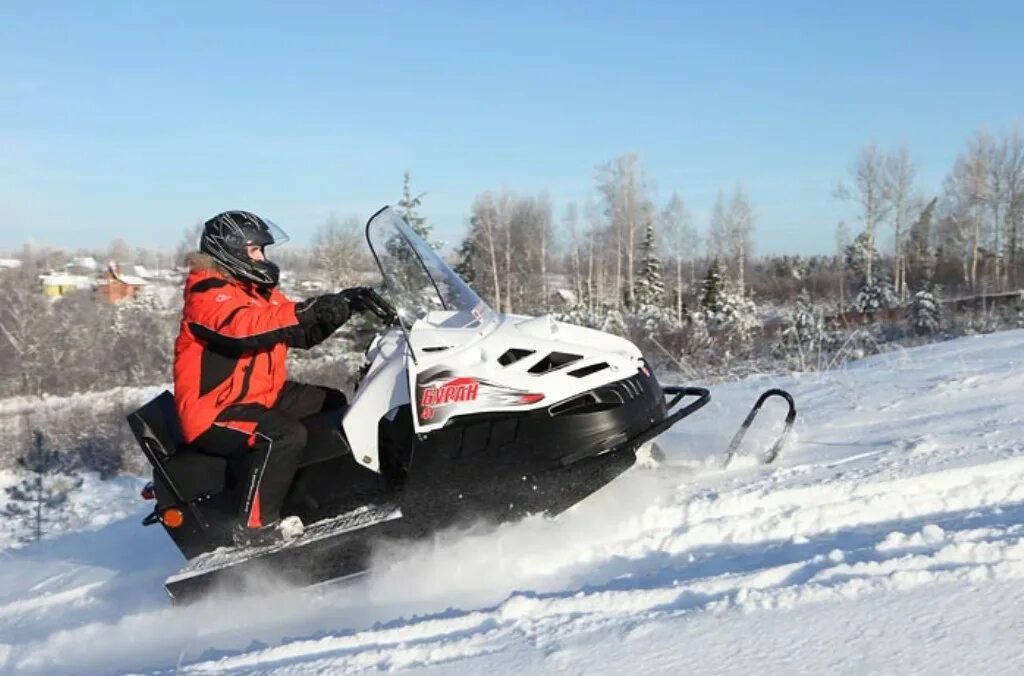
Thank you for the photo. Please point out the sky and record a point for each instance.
(137, 120)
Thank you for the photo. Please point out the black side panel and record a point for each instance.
(505, 464)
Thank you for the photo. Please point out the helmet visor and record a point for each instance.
(273, 234)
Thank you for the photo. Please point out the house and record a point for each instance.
(9, 264)
(55, 286)
(115, 285)
(82, 265)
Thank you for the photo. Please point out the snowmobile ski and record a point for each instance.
(776, 448)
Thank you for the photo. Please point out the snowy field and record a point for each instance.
(888, 538)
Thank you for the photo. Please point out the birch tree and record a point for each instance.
(340, 252)
(870, 194)
(682, 242)
(623, 187)
(899, 174)
(738, 230)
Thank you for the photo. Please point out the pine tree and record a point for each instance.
(857, 255)
(465, 260)
(40, 500)
(806, 337)
(875, 296)
(923, 313)
(650, 287)
(407, 209)
(714, 284)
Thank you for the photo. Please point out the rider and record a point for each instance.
(230, 382)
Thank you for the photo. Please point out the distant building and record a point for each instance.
(9, 264)
(82, 265)
(115, 285)
(55, 286)
(563, 298)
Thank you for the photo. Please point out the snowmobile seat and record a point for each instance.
(184, 471)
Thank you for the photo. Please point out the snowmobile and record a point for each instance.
(460, 413)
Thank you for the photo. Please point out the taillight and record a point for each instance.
(172, 517)
(148, 493)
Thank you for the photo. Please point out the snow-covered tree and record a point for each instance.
(712, 287)
(650, 287)
(858, 253)
(39, 502)
(875, 296)
(923, 313)
(408, 209)
(804, 341)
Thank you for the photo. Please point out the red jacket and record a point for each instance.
(232, 346)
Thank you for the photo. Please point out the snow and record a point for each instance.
(888, 537)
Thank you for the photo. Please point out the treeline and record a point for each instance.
(695, 296)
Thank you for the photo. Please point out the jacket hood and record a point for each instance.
(197, 261)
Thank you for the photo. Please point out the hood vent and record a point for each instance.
(555, 360)
(513, 355)
(587, 370)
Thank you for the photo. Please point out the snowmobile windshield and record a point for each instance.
(419, 282)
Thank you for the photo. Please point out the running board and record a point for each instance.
(329, 549)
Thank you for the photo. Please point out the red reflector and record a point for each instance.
(530, 398)
(172, 517)
(148, 493)
(646, 372)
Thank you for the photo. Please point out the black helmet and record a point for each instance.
(226, 236)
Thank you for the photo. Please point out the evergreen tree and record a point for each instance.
(39, 502)
(465, 260)
(923, 313)
(650, 287)
(806, 337)
(714, 284)
(857, 255)
(875, 296)
(407, 209)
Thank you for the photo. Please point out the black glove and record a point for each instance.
(330, 311)
(366, 299)
(355, 297)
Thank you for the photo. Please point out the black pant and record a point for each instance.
(273, 443)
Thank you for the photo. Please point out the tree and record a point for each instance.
(650, 287)
(39, 502)
(465, 259)
(923, 313)
(623, 187)
(339, 252)
(712, 288)
(739, 224)
(871, 194)
(678, 232)
(858, 255)
(408, 209)
(875, 296)
(899, 176)
(920, 250)
(24, 328)
(718, 235)
(189, 242)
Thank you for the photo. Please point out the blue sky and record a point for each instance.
(136, 119)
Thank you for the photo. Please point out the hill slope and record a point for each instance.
(887, 537)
